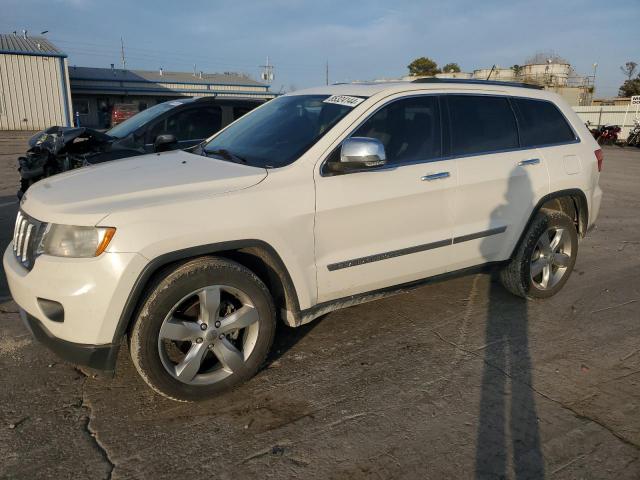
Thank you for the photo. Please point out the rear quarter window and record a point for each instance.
(541, 123)
(481, 124)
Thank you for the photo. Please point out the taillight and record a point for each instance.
(599, 157)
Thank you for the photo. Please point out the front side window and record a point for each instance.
(279, 132)
(409, 129)
(481, 124)
(541, 123)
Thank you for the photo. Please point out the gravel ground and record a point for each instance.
(453, 380)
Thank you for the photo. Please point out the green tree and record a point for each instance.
(423, 66)
(451, 68)
(630, 88)
(517, 70)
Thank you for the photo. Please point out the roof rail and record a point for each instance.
(474, 81)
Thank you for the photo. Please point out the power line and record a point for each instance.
(102, 47)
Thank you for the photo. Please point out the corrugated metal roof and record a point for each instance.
(17, 44)
(118, 74)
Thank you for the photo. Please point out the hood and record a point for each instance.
(55, 139)
(86, 195)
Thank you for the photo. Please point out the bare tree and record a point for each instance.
(629, 69)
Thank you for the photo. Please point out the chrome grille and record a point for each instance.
(26, 236)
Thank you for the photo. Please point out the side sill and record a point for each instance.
(305, 316)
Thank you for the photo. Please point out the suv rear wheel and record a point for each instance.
(545, 258)
(203, 328)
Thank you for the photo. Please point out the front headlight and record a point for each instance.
(77, 242)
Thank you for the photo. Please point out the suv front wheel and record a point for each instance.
(203, 328)
(545, 258)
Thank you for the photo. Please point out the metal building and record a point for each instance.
(34, 84)
(95, 91)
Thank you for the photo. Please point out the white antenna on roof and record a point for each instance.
(267, 72)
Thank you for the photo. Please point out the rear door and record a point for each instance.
(543, 127)
(499, 180)
(384, 227)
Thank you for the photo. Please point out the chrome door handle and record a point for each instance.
(531, 161)
(436, 176)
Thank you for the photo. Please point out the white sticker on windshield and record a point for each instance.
(175, 104)
(344, 100)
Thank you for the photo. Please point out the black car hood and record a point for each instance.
(56, 138)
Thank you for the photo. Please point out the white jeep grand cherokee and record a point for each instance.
(317, 200)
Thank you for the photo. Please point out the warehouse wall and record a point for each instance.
(34, 92)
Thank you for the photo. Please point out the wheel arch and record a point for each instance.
(257, 255)
(572, 201)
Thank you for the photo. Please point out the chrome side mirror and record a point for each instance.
(358, 154)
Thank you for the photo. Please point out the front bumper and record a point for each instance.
(91, 291)
(99, 357)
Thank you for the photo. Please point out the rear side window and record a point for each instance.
(409, 129)
(195, 123)
(541, 123)
(481, 124)
(240, 111)
(190, 124)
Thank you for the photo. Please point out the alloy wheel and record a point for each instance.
(208, 335)
(551, 258)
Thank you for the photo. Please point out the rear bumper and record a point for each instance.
(594, 210)
(99, 357)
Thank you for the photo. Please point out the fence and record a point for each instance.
(613, 114)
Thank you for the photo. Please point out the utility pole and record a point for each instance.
(124, 60)
(326, 74)
(267, 72)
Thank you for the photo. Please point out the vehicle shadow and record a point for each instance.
(508, 422)
(286, 338)
(8, 210)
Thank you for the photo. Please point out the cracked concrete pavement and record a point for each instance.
(457, 379)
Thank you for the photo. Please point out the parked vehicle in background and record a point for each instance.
(633, 140)
(171, 125)
(319, 200)
(595, 132)
(122, 112)
(608, 134)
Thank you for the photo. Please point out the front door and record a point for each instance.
(385, 227)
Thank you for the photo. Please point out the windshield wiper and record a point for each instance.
(226, 155)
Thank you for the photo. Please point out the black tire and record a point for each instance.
(516, 276)
(166, 292)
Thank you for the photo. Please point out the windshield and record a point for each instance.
(131, 124)
(277, 133)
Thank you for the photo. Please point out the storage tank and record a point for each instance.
(547, 73)
(498, 73)
(454, 75)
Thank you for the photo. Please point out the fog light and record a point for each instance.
(54, 311)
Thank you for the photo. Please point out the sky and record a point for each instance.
(361, 40)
